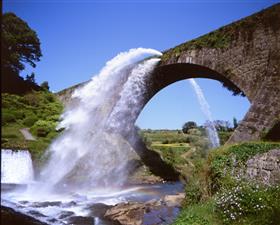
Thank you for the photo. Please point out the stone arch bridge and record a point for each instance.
(244, 56)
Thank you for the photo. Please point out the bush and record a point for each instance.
(199, 214)
(224, 136)
(251, 202)
(19, 115)
(7, 117)
(42, 127)
(188, 125)
(193, 192)
(41, 132)
(30, 120)
(32, 99)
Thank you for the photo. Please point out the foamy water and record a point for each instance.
(16, 166)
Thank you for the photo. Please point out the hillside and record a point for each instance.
(39, 111)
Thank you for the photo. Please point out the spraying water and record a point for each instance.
(211, 129)
(90, 148)
(16, 167)
(89, 162)
(131, 98)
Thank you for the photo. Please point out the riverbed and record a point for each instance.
(82, 208)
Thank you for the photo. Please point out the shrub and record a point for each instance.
(41, 132)
(199, 214)
(193, 192)
(7, 117)
(19, 115)
(32, 99)
(42, 127)
(54, 118)
(224, 136)
(188, 125)
(30, 120)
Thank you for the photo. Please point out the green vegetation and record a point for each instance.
(188, 125)
(217, 194)
(198, 214)
(177, 148)
(20, 44)
(39, 111)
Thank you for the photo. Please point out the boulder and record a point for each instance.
(11, 217)
(149, 213)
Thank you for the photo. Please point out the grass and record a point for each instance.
(37, 110)
(199, 214)
(184, 152)
(215, 195)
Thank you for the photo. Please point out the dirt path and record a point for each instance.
(27, 135)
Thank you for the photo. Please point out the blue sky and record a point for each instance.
(78, 37)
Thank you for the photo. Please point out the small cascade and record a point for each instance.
(16, 167)
(210, 127)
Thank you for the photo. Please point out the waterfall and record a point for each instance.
(90, 148)
(16, 166)
(131, 98)
(210, 127)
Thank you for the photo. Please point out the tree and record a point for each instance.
(235, 123)
(45, 85)
(222, 125)
(30, 78)
(20, 44)
(188, 125)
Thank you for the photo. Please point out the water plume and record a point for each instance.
(91, 151)
(210, 126)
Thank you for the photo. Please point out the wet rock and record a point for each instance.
(12, 217)
(127, 213)
(69, 204)
(99, 209)
(53, 221)
(80, 220)
(65, 214)
(36, 213)
(148, 213)
(45, 204)
(142, 175)
(174, 200)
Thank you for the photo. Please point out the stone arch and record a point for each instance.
(165, 75)
(257, 119)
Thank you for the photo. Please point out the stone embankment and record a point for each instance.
(264, 168)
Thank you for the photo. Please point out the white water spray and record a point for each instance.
(86, 149)
(132, 97)
(16, 167)
(211, 130)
